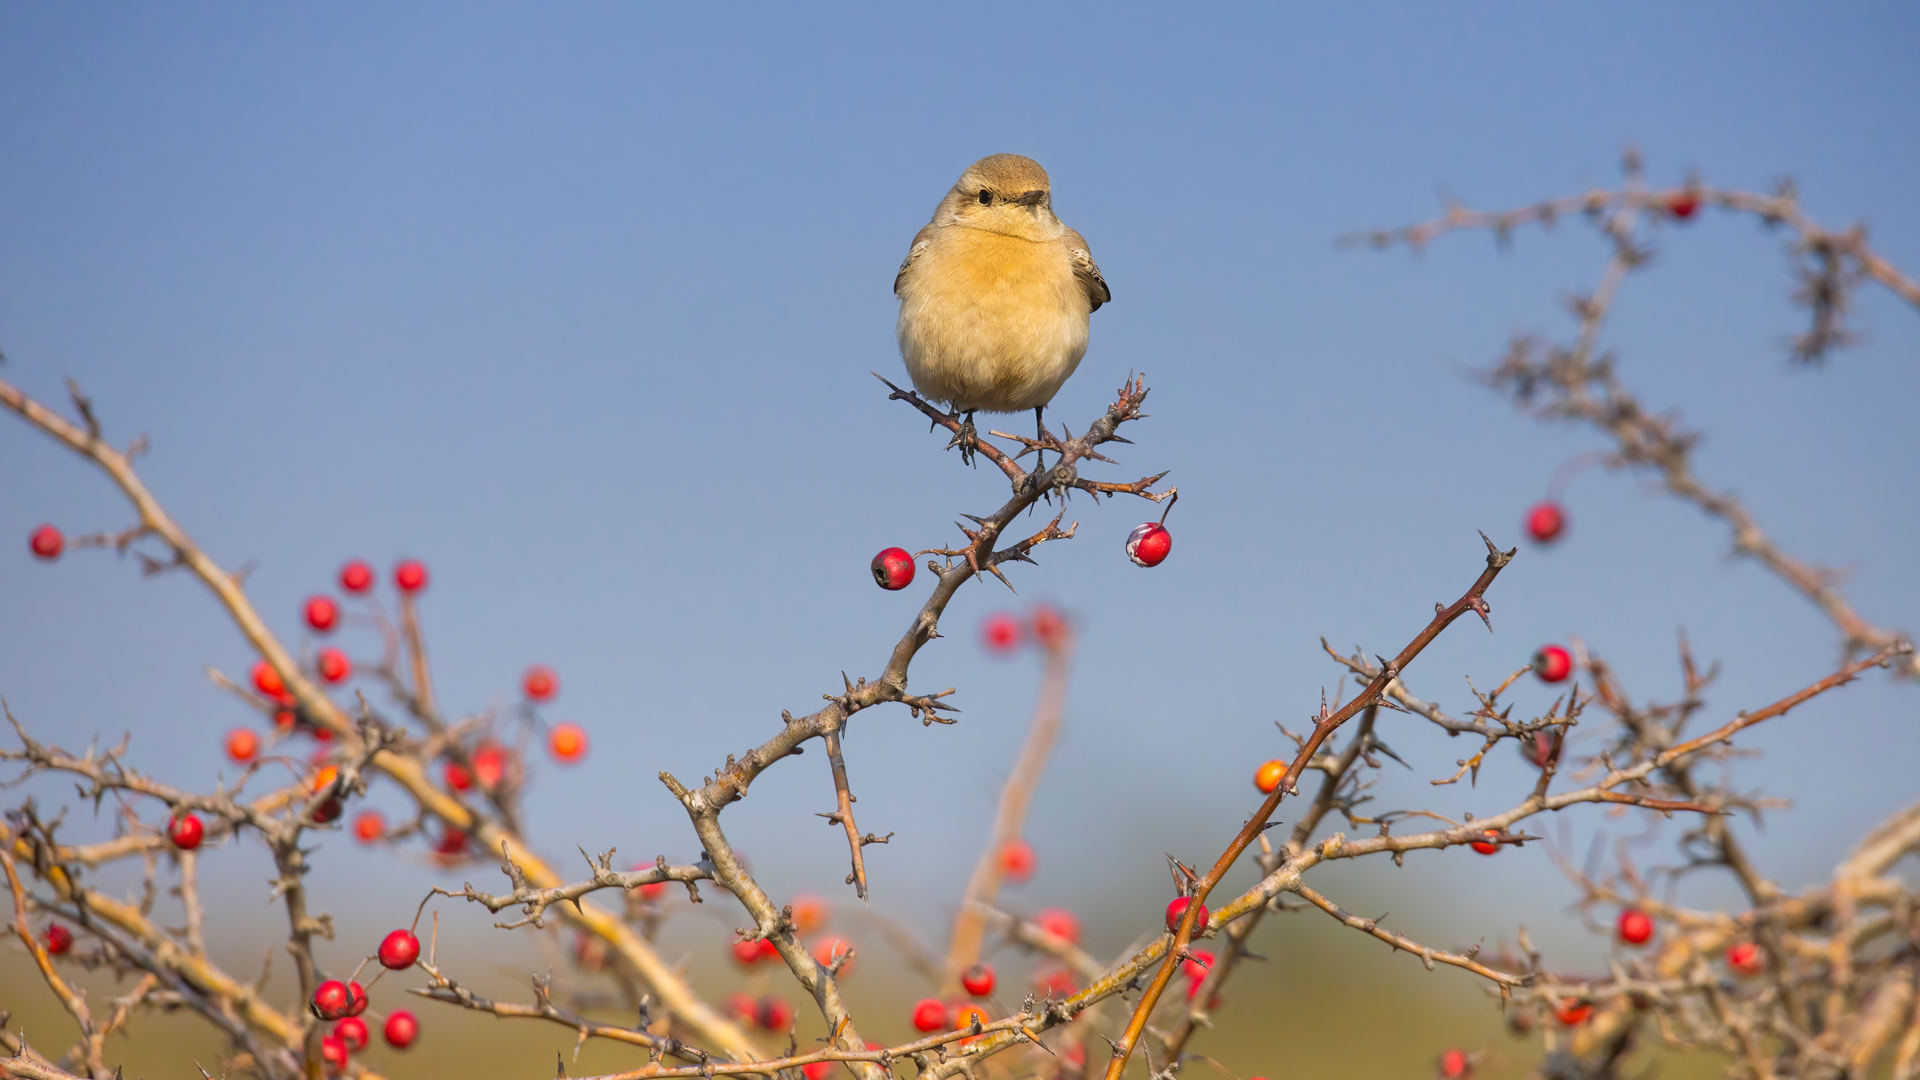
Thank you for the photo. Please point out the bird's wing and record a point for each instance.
(1085, 271)
(920, 241)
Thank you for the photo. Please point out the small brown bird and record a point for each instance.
(995, 294)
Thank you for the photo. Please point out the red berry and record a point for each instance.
(817, 1070)
(773, 1013)
(458, 778)
(893, 569)
(326, 812)
(1001, 633)
(1745, 958)
(59, 939)
(1177, 910)
(410, 576)
(332, 1000)
(356, 576)
(333, 665)
(568, 742)
(930, 1014)
(1076, 1056)
(1635, 927)
(1049, 627)
(398, 950)
(1059, 922)
(1148, 544)
(1489, 846)
(452, 844)
(1572, 1012)
(751, 952)
(978, 980)
(353, 1032)
(1199, 966)
(540, 683)
(828, 950)
(1537, 749)
(267, 680)
(369, 825)
(653, 891)
(1683, 205)
(242, 744)
(490, 765)
(1055, 982)
(186, 831)
(1552, 663)
(333, 1051)
(322, 613)
(401, 1029)
(1455, 1065)
(1267, 776)
(358, 994)
(1017, 860)
(1546, 521)
(47, 543)
(742, 1007)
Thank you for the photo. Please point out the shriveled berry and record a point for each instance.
(186, 831)
(1017, 860)
(1745, 958)
(1177, 910)
(47, 543)
(322, 613)
(398, 950)
(369, 825)
(1149, 543)
(893, 569)
(773, 1013)
(567, 742)
(1490, 845)
(1545, 522)
(540, 683)
(410, 576)
(1455, 1065)
(326, 812)
(59, 939)
(356, 576)
(1683, 204)
(978, 980)
(401, 1029)
(1059, 922)
(267, 680)
(333, 665)
(242, 744)
(1267, 776)
(333, 1051)
(1000, 633)
(1552, 663)
(332, 1000)
(353, 1032)
(1635, 927)
(929, 1014)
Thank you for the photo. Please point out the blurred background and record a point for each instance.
(578, 304)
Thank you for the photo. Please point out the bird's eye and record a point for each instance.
(986, 197)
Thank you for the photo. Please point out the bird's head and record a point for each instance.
(1004, 193)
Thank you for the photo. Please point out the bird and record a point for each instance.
(994, 296)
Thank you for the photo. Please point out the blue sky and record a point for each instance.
(578, 304)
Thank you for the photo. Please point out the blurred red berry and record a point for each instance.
(1059, 922)
(653, 891)
(810, 914)
(1455, 1065)
(773, 1013)
(1267, 776)
(242, 744)
(1001, 633)
(333, 1051)
(829, 950)
(1546, 521)
(1177, 910)
(567, 742)
(1197, 968)
(322, 613)
(1635, 927)
(401, 1029)
(353, 1032)
(490, 765)
(1536, 748)
(1745, 958)
(1049, 627)
(1017, 860)
(540, 683)
(816, 1070)
(452, 844)
(753, 951)
(332, 1000)
(893, 569)
(458, 778)
(929, 1014)
(964, 1017)
(186, 831)
(398, 950)
(1076, 1056)
(267, 680)
(410, 576)
(1490, 846)
(47, 543)
(59, 939)
(369, 825)
(326, 811)
(333, 665)
(1683, 205)
(741, 1007)
(1572, 1012)
(356, 576)
(1148, 544)
(1055, 982)
(1552, 663)
(978, 980)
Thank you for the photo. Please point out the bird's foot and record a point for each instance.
(966, 437)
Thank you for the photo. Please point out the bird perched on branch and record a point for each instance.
(995, 294)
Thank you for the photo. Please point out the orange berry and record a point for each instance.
(1488, 847)
(568, 741)
(1267, 777)
(242, 744)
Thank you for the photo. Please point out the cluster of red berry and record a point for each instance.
(342, 1002)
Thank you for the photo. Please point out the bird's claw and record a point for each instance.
(966, 437)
